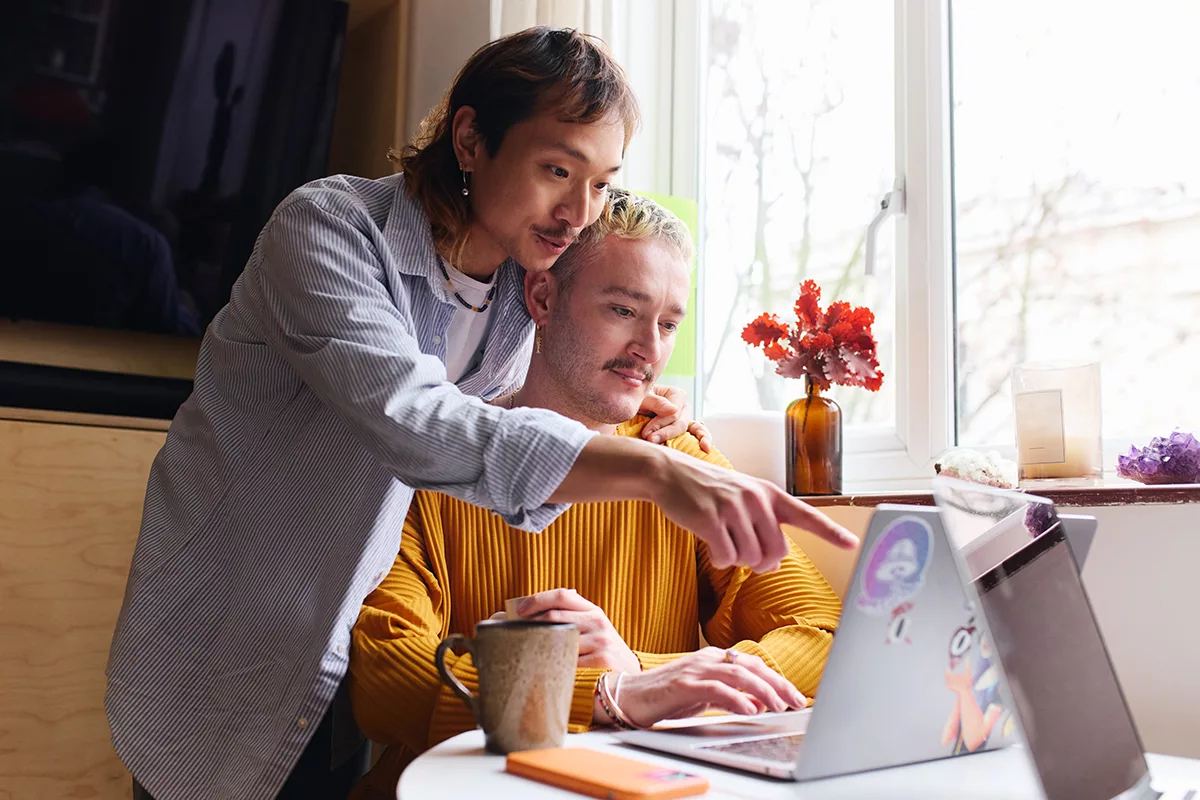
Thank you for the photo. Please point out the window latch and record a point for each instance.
(892, 203)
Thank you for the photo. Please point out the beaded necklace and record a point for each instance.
(477, 309)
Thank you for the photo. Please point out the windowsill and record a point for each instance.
(1111, 492)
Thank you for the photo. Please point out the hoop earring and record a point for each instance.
(466, 190)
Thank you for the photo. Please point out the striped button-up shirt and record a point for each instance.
(277, 502)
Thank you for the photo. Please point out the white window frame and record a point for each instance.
(882, 456)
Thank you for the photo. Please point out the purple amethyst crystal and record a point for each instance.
(1171, 459)
(1039, 518)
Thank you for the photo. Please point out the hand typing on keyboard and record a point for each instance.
(739, 683)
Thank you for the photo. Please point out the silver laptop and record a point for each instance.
(1075, 722)
(907, 671)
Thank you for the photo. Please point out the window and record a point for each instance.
(1078, 207)
(1066, 227)
(810, 113)
(799, 146)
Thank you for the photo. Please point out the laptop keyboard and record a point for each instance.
(784, 749)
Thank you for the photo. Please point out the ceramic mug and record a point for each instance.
(526, 681)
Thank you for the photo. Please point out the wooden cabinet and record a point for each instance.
(70, 506)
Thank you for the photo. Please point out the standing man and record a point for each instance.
(347, 371)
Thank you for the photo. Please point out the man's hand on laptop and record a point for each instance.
(738, 516)
(739, 683)
(599, 643)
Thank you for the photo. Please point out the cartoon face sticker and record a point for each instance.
(960, 643)
(896, 566)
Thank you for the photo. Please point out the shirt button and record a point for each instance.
(302, 723)
(341, 649)
(437, 340)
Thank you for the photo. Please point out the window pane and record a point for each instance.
(1078, 206)
(799, 147)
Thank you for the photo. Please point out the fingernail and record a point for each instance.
(654, 438)
(523, 607)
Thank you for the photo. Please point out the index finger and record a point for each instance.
(782, 686)
(791, 511)
(567, 599)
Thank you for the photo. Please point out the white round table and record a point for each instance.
(460, 767)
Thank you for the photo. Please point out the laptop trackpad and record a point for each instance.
(740, 727)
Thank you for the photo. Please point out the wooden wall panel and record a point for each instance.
(80, 347)
(371, 90)
(70, 505)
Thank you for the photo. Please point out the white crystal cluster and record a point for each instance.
(972, 465)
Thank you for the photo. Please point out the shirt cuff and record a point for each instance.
(527, 459)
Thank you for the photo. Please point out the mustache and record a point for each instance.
(630, 366)
(567, 233)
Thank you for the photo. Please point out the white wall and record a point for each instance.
(443, 35)
(1141, 576)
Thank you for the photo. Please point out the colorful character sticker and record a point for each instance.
(896, 566)
(976, 689)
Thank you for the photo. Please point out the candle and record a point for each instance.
(1057, 410)
(1081, 458)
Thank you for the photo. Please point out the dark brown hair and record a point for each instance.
(508, 81)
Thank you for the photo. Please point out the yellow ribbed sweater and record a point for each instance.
(458, 563)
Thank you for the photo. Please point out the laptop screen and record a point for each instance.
(1073, 714)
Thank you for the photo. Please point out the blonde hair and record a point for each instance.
(626, 216)
(508, 81)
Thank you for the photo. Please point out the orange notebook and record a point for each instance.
(604, 775)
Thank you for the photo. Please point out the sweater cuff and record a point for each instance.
(652, 660)
(583, 699)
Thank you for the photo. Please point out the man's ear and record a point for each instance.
(465, 138)
(541, 292)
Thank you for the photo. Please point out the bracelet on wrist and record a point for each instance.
(608, 704)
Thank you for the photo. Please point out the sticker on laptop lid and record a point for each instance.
(898, 627)
(896, 565)
(973, 679)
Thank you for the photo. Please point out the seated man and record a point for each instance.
(638, 586)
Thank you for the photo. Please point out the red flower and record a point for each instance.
(831, 346)
(776, 351)
(843, 332)
(764, 330)
(815, 342)
(808, 305)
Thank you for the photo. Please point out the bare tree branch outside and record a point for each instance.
(1077, 198)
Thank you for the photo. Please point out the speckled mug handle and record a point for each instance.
(448, 677)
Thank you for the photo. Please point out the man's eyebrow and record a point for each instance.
(579, 155)
(639, 297)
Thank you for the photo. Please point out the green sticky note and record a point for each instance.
(683, 360)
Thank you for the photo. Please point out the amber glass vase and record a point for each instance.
(814, 444)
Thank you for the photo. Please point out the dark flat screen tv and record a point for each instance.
(143, 145)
